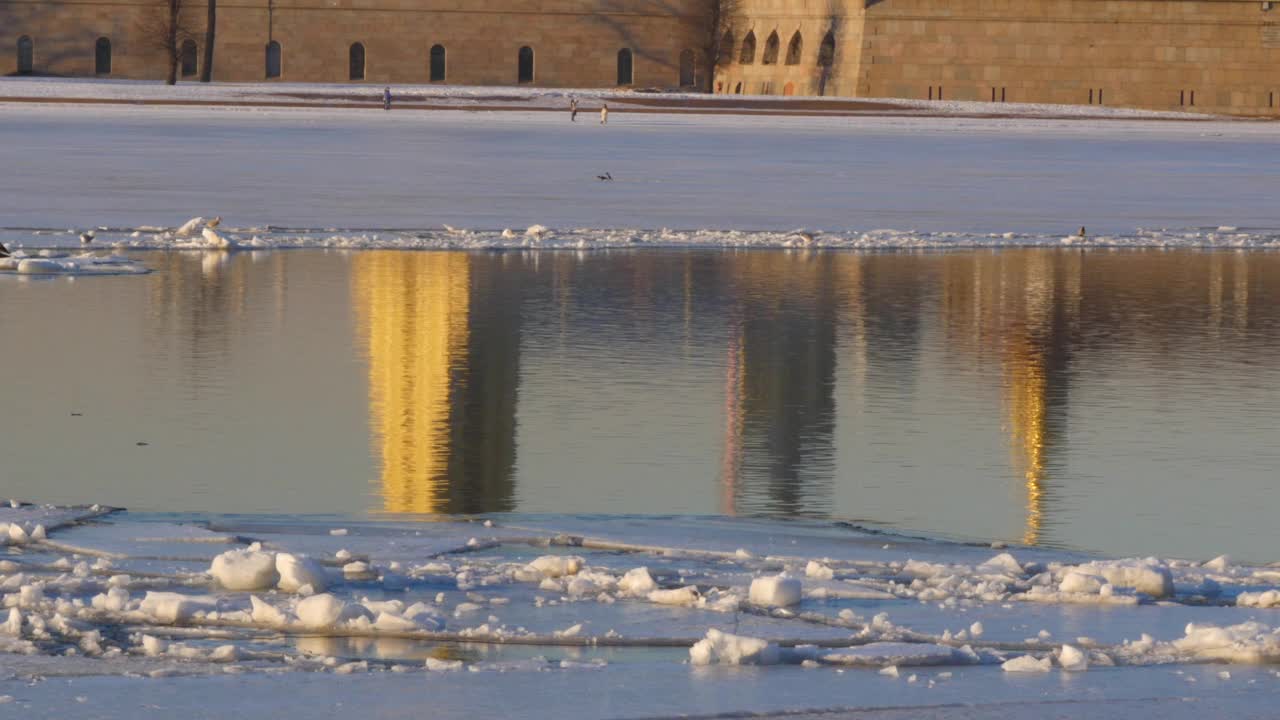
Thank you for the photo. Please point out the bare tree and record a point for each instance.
(827, 49)
(714, 18)
(210, 30)
(165, 30)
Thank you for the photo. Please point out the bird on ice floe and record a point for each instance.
(87, 236)
(214, 222)
(605, 177)
(1082, 233)
(805, 238)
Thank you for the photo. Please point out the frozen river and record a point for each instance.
(1000, 481)
(123, 167)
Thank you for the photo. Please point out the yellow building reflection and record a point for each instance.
(413, 317)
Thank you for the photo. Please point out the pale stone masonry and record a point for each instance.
(1201, 55)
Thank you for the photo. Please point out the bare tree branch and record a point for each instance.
(165, 30)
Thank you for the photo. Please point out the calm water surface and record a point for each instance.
(1123, 401)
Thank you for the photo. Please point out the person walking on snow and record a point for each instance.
(604, 114)
(573, 108)
(386, 98)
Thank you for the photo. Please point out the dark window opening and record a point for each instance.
(748, 54)
(26, 56)
(187, 58)
(737, 89)
(794, 48)
(524, 62)
(827, 51)
(102, 57)
(355, 69)
(725, 54)
(688, 69)
(770, 50)
(273, 59)
(624, 66)
(437, 63)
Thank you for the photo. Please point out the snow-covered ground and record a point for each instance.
(360, 178)
(524, 97)
(142, 614)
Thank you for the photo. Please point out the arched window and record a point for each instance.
(624, 67)
(524, 65)
(794, 48)
(748, 54)
(355, 70)
(188, 58)
(26, 56)
(273, 59)
(770, 50)
(827, 52)
(102, 57)
(437, 63)
(688, 74)
(737, 89)
(725, 56)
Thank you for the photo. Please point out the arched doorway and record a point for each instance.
(688, 70)
(26, 56)
(273, 59)
(770, 50)
(625, 74)
(188, 58)
(524, 65)
(737, 89)
(355, 71)
(437, 63)
(102, 57)
(794, 48)
(748, 54)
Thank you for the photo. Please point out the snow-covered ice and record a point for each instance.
(863, 182)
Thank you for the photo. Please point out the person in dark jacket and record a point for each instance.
(386, 98)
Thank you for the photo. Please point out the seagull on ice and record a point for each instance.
(86, 237)
(605, 177)
(1082, 233)
(804, 236)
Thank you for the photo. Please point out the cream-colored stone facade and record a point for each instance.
(1202, 55)
(1197, 55)
(574, 43)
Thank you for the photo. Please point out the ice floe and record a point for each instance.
(264, 596)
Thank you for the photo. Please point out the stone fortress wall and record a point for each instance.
(1200, 55)
(572, 43)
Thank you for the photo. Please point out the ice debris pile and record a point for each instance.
(160, 597)
(53, 262)
(199, 234)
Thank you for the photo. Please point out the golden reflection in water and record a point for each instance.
(1022, 305)
(413, 312)
(731, 460)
